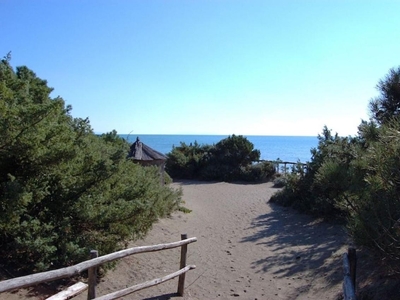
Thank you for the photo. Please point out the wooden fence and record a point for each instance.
(92, 264)
(282, 166)
(349, 273)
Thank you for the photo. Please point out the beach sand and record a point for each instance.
(247, 248)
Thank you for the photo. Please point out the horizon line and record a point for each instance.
(211, 134)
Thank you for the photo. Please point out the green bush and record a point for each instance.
(185, 161)
(280, 181)
(375, 209)
(316, 190)
(65, 190)
(234, 151)
(358, 178)
(229, 160)
(259, 172)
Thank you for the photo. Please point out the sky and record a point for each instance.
(285, 67)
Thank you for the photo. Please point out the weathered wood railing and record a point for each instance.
(283, 165)
(349, 273)
(92, 264)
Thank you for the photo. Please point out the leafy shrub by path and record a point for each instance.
(358, 178)
(185, 161)
(64, 190)
(280, 181)
(326, 178)
(375, 209)
(231, 159)
(259, 172)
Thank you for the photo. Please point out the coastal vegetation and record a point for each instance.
(231, 159)
(357, 179)
(63, 189)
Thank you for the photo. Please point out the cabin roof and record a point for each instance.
(140, 151)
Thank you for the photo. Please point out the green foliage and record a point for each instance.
(64, 190)
(375, 209)
(387, 105)
(317, 190)
(185, 161)
(229, 160)
(184, 209)
(259, 172)
(235, 151)
(280, 181)
(358, 177)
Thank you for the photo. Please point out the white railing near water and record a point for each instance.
(282, 166)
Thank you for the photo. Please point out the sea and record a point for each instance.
(285, 148)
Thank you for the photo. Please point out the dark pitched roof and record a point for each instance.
(140, 151)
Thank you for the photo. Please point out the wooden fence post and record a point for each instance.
(92, 277)
(351, 252)
(181, 282)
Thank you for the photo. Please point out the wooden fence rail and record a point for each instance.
(29, 280)
(141, 286)
(349, 274)
(283, 165)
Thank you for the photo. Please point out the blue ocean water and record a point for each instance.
(286, 148)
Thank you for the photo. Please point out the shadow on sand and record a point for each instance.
(301, 243)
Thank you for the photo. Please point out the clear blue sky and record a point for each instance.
(208, 67)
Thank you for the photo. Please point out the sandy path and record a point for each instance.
(246, 249)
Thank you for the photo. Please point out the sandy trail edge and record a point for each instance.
(247, 248)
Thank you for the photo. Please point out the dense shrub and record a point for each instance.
(387, 105)
(259, 172)
(358, 178)
(235, 151)
(231, 159)
(64, 190)
(280, 181)
(375, 208)
(326, 178)
(186, 161)
(355, 179)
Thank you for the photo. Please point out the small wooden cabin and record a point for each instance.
(146, 156)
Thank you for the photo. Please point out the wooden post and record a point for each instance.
(348, 287)
(92, 277)
(181, 282)
(351, 252)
